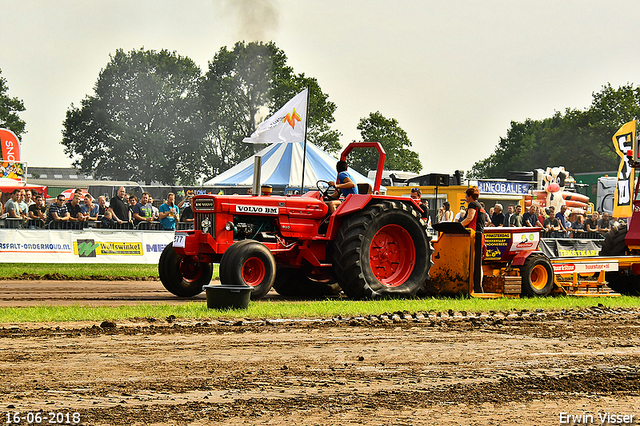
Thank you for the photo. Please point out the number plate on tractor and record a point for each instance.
(179, 240)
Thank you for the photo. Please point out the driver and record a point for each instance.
(345, 186)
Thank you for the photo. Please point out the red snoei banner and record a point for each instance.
(10, 145)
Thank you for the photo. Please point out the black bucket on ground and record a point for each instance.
(227, 296)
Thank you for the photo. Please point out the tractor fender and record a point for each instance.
(522, 256)
(356, 203)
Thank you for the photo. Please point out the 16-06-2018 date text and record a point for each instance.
(42, 417)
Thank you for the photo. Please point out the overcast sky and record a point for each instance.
(453, 73)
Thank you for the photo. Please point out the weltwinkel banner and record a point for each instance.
(45, 246)
(623, 141)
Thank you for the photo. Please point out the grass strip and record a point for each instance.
(80, 271)
(277, 309)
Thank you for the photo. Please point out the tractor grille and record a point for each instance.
(206, 222)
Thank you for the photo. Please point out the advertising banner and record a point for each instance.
(91, 246)
(584, 267)
(13, 170)
(10, 145)
(623, 141)
(569, 247)
(498, 244)
(501, 245)
(501, 187)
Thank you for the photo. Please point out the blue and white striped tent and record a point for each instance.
(282, 168)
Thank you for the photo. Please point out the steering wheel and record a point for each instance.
(327, 190)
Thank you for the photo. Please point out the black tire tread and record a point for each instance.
(171, 277)
(347, 263)
(613, 244)
(235, 256)
(531, 261)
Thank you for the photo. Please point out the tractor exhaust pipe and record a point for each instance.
(257, 168)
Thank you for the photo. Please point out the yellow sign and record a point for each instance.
(90, 248)
(624, 141)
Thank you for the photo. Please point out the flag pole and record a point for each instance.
(304, 153)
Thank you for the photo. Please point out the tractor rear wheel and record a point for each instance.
(181, 275)
(296, 282)
(537, 276)
(382, 251)
(619, 281)
(613, 244)
(249, 262)
(623, 283)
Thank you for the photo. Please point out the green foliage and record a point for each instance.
(578, 140)
(9, 109)
(153, 117)
(74, 270)
(394, 140)
(143, 122)
(242, 84)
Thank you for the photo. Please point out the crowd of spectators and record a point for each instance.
(27, 209)
(556, 224)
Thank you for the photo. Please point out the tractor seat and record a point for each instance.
(364, 188)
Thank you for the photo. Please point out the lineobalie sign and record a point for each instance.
(501, 187)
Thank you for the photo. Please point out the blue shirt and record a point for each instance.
(346, 191)
(143, 210)
(169, 222)
(563, 219)
(94, 210)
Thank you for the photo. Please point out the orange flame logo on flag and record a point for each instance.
(292, 118)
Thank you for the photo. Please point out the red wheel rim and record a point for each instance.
(190, 270)
(253, 271)
(392, 255)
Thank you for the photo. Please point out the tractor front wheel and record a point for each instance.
(382, 251)
(249, 263)
(537, 276)
(181, 275)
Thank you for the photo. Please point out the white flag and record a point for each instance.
(286, 125)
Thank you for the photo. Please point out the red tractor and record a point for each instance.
(371, 246)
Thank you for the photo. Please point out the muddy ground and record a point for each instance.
(496, 368)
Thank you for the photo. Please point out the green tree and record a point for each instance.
(394, 140)
(143, 121)
(9, 109)
(252, 80)
(579, 140)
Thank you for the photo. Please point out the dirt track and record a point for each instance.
(87, 293)
(397, 369)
